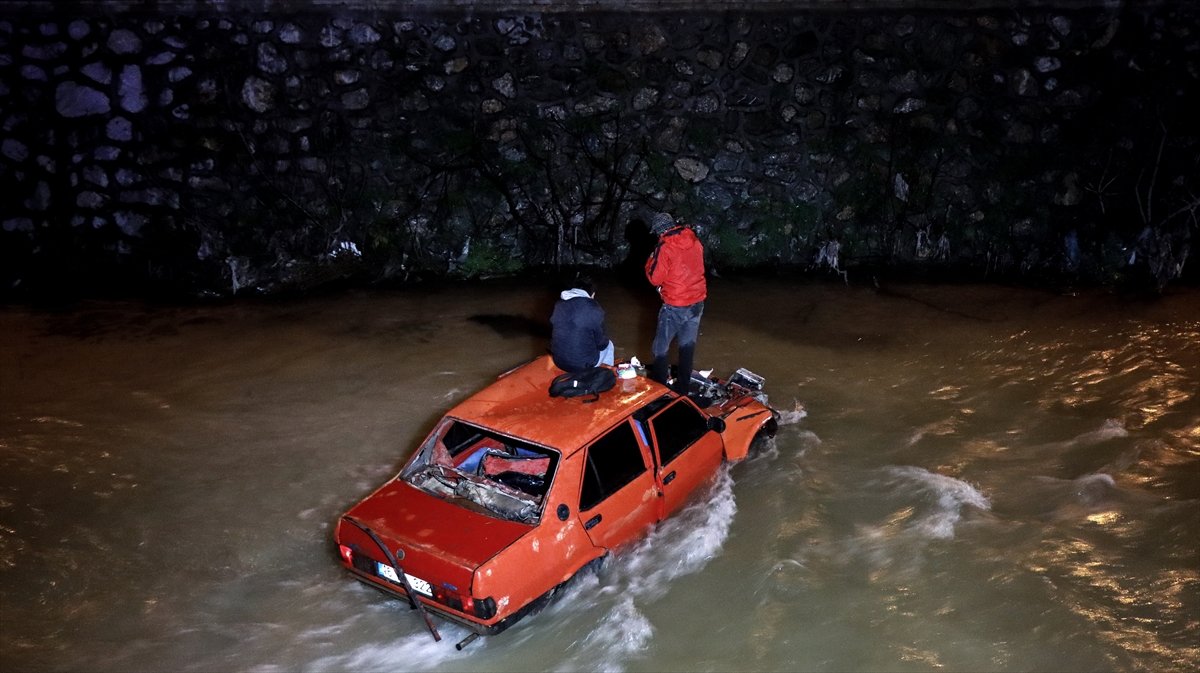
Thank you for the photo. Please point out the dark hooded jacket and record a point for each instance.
(577, 331)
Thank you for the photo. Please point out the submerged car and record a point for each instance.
(514, 491)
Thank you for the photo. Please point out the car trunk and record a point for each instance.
(442, 543)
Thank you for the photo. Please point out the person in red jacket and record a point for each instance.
(676, 270)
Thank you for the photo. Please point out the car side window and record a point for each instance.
(612, 462)
(677, 428)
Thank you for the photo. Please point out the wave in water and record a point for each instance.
(792, 416)
(1110, 429)
(950, 495)
(643, 574)
(416, 651)
(613, 641)
(684, 543)
(1064, 499)
(920, 507)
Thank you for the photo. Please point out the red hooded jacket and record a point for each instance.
(676, 267)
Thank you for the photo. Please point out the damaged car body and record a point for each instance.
(514, 492)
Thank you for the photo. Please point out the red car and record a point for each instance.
(515, 491)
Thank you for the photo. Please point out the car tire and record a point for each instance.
(762, 438)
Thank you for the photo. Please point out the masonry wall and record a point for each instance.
(235, 151)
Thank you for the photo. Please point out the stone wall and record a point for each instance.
(239, 150)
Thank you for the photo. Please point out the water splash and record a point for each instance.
(684, 543)
(624, 632)
(414, 651)
(792, 416)
(951, 496)
(641, 575)
(768, 450)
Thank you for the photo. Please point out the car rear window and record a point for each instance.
(485, 470)
(460, 436)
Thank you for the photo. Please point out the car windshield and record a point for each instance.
(484, 471)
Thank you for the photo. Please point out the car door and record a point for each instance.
(618, 495)
(687, 453)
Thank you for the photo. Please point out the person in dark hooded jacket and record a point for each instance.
(578, 337)
(676, 269)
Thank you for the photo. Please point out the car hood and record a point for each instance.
(440, 540)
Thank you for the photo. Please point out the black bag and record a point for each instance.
(586, 382)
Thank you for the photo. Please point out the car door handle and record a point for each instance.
(591, 523)
(669, 478)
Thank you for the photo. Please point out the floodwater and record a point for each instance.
(969, 478)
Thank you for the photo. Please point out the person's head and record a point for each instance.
(661, 223)
(582, 282)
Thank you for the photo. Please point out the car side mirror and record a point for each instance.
(563, 512)
(716, 424)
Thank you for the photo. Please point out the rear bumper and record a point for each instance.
(437, 609)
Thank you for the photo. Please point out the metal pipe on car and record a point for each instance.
(412, 595)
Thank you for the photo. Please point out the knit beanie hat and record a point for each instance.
(661, 223)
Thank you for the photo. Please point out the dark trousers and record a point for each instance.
(681, 324)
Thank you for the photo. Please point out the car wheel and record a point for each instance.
(764, 437)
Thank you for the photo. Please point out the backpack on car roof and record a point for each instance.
(586, 382)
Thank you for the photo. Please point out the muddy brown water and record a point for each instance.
(969, 478)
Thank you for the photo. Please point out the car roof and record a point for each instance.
(519, 404)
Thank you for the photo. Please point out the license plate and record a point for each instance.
(418, 585)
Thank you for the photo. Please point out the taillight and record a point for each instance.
(347, 554)
(448, 598)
